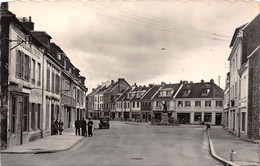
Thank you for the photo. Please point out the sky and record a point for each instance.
(144, 42)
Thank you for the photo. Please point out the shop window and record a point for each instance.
(207, 117)
(197, 116)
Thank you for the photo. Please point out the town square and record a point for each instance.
(122, 83)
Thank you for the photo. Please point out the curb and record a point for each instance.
(43, 151)
(215, 156)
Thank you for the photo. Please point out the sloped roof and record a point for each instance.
(235, 34)
(175, 87)
(143, 88)
(111, 87)
(95, 90)
(196, 90)
(122, 96)
(150, 94)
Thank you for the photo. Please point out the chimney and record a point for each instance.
(162, 83)
(28, 24)
(211, 81)
(4, 5)
(112, 82)
(150, 85)
(202, 81)
(134, 86)
(181, 82)
(93, 89)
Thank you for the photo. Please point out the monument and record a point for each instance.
(164, 115)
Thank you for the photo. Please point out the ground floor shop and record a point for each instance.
(24, 122)
(214, 118)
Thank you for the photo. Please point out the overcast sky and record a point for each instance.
(110, 40)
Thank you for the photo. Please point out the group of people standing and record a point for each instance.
(83, 125)
(57, 127)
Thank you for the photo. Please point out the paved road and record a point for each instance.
(129, 144)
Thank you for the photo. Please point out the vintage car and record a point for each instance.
(104, 123)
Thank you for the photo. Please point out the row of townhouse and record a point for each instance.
(241, 94)
(38, 83)
(185, 102)
(102, 99)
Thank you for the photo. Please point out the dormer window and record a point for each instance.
(186, 92)
(168, 93)
(161, 93)
(205, 92)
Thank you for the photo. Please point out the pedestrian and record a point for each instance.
(208, 126)
(55, 127)
(60, 127)
(90, 124)
(77, 127)
(83, 127)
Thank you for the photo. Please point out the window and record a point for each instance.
(33, 110)
(48, 79)
(197, 116)
(39, 74)
(186, 92)
(52, 82)
(207, 117)
(33, 71)
(25, 114)
(207, 103)
(205, 92)
(168, 93)
(180, 103)
(19, 66)
(133, 104)
(47, 115)
(26, 67)
(39, 116)
(57, 84)
(197, 103)
(13, 114)
(161, 93)
(137, 104)
(187, 103)
(219, 104)
(243, 121)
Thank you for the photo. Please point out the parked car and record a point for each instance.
(104, 123)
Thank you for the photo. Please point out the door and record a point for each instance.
(52, 118)
(20, 118)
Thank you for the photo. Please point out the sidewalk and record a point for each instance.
(49, 144)
(223, 142)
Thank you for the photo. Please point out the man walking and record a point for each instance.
(83, 127)
(90, 124)
(77, 126)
